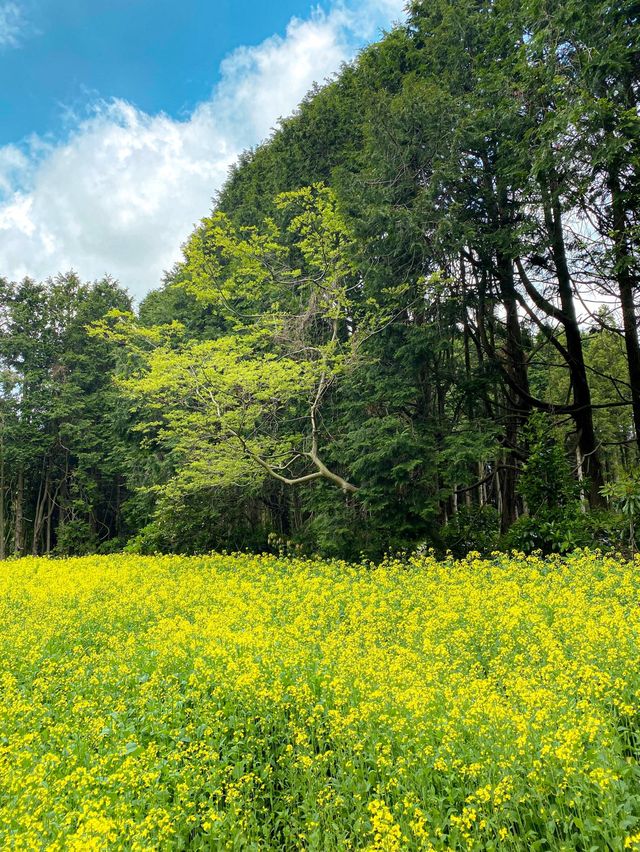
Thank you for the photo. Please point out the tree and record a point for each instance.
(589, 56)
(59, 429)
(250, 401)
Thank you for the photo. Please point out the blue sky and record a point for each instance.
(157, 54)
(120, 118)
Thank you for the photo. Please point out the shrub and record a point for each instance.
(471, 528)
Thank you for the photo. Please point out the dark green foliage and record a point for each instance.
(556, 519)
(560, 531)
(472, 528)
(546, 482)
(485, 161)
(63, 423)
(75, 538)
(202, 523)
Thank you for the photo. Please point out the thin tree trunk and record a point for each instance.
(519, 405)
(482, 488)
(39, 517)
(50, 508)
(624, 277)
(18, 532)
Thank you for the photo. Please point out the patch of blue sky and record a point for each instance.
(160, 55)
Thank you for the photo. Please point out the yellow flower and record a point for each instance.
(158, 702)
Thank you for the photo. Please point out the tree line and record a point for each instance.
(410, 319)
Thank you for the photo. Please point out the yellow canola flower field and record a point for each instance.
(257, 703)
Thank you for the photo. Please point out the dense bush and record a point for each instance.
(564, 529)
(471, 528)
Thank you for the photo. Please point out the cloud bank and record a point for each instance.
(124, 190)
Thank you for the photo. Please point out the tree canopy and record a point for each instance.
(411, 317)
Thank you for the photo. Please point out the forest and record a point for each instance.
(409, 321)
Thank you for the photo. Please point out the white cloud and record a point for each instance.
(124, 190)
(14, 165)
(11, 24)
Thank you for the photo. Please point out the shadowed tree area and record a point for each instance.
(411, 319)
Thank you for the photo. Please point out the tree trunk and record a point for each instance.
(583, 414)
(625, 280)
(39, 517)
(18, 533)
(50, 507)
(519, 406)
